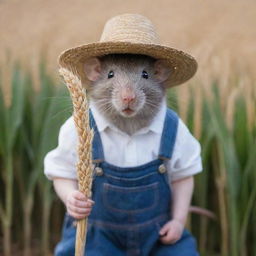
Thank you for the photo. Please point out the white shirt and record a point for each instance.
(123, 150)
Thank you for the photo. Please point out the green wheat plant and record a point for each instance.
(29, 129)
(225, 124)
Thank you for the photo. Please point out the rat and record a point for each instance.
(127, 88)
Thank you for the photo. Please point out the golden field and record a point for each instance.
(221, 35)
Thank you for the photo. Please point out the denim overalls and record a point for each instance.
(131, 206)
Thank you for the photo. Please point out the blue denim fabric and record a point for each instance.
(131, 206)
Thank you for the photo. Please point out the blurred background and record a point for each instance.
(218, 105)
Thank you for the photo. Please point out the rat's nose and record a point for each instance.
(127, 95)
(128, 99)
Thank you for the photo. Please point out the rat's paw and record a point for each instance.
(171, 232)
(78, 206)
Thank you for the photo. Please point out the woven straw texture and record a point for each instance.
(85, 136)
(134, 34)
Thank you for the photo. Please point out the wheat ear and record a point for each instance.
(85, 136)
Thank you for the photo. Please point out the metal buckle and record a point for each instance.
(162, 169)
(98, 171)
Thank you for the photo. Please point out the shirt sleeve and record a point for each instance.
(186, 159)
(61, 161)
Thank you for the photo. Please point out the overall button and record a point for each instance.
(162, 168)
(98, 171)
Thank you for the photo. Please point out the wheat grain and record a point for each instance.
(85, 136)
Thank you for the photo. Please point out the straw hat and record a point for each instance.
(134, 34)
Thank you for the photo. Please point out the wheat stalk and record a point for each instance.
(85, 136)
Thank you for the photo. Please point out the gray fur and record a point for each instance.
(127, 69)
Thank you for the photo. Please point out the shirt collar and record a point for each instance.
(101, 121)
(156, 125)
(158, 121)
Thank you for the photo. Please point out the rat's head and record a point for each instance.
(126, 86)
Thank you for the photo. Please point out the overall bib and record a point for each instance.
(131, 206)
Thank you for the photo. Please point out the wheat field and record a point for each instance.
(218, 105)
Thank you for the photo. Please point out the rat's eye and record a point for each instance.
(110, 74)
(144, 74)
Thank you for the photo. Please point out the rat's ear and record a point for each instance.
(162, 72)
(92, 68)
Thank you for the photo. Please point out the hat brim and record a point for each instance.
(182, 65)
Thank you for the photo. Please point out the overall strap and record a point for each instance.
(97, 149)
(168, 135)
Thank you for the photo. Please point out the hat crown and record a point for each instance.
(133, 28)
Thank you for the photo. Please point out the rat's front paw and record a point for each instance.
(171, 232)
(78, 206)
